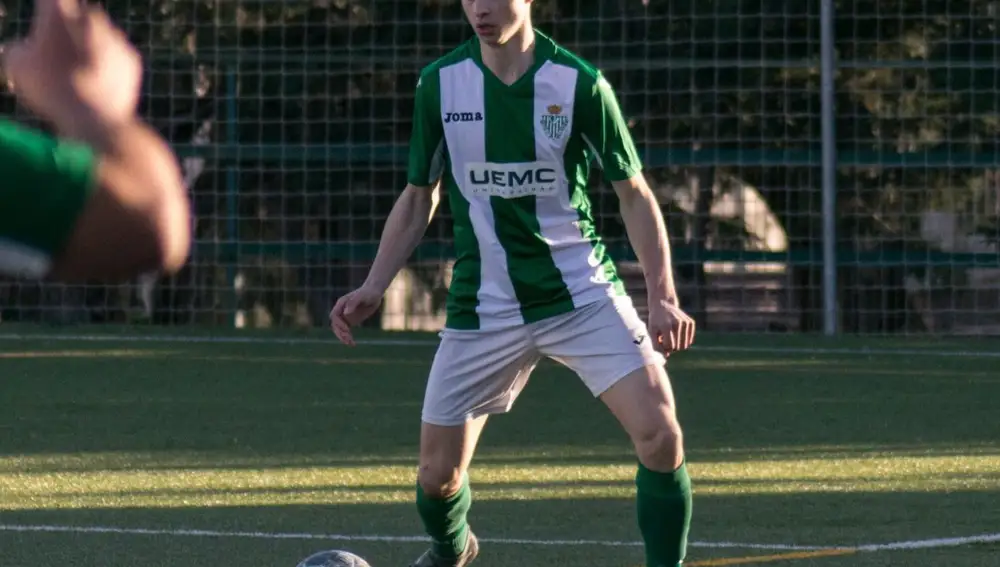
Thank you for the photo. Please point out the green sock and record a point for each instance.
(664, 509)
(445, 519)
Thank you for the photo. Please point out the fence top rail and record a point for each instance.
(652, 156)
(393, 59)
(299, 252)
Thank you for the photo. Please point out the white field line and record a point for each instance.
(867, 548)
(431, 343)
(930, 543)
(374, 538)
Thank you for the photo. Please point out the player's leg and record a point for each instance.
(444, 496)
(644, 404)
(474, 374)
(607, 344)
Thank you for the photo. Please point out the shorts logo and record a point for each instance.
(554, 124)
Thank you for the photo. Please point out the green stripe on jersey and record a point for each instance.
(510, 139)
(463, 298)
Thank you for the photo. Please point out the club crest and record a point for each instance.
(554, 123)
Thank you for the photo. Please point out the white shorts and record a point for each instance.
(478, 373)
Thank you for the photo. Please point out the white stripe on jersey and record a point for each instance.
(463, 90)
(555, 90)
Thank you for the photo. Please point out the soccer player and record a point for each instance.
(509, 124)
(105, 199)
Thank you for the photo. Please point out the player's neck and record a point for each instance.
(512, 59)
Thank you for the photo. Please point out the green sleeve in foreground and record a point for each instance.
(45, 184)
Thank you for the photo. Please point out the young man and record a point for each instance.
(106, 200)
(509, 123)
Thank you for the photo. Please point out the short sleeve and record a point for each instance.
(606, 132)
(426, 161)
(47, 183)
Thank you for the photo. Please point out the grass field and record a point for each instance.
(207, 453)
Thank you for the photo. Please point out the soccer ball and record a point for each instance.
(333, 558)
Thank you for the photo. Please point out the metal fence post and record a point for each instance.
(829, 167)
(232, 189)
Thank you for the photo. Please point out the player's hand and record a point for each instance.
(670, 327)
(74, 68)
(352, 309)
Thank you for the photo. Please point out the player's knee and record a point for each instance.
(660, 447)
(440, 479)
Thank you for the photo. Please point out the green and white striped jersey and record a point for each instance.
(515, 161)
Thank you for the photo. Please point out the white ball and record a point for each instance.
(333, 558)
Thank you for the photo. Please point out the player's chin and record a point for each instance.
(491, 38)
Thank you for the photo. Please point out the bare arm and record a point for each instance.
(138, 218)
(405, 226)
(647, 232)
(413, 211)
(607, 133)
(403, 230)
(415, 207)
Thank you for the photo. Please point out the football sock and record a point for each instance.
(446, 519)
(664, 509)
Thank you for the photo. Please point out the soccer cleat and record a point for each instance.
(431, 559)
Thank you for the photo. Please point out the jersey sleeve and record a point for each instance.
(46, 185)
(426, 161)
(606, 132)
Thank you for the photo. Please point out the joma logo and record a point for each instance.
(463, 117)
